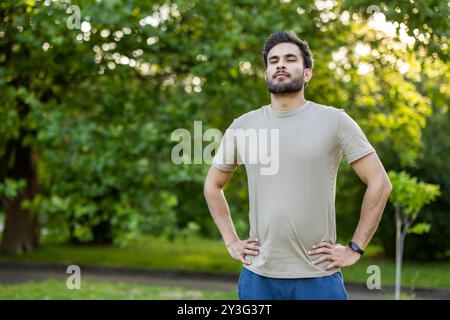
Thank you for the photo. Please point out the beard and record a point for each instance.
(294, 85)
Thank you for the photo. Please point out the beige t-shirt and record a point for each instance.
(292, 202)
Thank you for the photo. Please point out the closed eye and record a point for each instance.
(289, 60)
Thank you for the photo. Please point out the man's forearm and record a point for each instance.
(218, 207)
(372, 208)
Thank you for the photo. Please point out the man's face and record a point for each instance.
(285, 72)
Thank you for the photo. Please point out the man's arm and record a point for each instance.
(217, 204)
(371, 171)
(218, 207)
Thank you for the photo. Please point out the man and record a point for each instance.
(292, 251)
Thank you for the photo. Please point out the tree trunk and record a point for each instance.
(399, 240)
(22, 230)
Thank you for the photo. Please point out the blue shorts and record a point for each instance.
(252, 286)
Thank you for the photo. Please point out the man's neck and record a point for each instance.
(287, 101)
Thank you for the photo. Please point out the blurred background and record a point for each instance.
(91, 91)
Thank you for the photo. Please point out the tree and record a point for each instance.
(408, 198)
(89, 110)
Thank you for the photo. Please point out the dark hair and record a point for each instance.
(289, 36)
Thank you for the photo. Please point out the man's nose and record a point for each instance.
(280, 66)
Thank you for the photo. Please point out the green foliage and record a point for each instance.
(98, 105)
(10, 188)
(420, 228)
(411, 195)
(431, 168)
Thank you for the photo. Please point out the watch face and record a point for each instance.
(355, 247)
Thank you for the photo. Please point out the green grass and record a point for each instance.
(211, 256)
(54, 289)
(147, 252)
(424, 275)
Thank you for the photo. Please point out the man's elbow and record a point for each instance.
(209, 188)
(389, 186)
(206, 189)
(382, 184)
(386, 185)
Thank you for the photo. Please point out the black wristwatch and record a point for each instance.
(355, 247)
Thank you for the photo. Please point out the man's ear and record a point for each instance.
(308, 74)
(265, 75)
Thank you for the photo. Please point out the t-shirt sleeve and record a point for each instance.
(352, 140)
(227, 157)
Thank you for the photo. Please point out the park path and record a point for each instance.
(15, 273)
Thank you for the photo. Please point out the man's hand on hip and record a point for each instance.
(240, 248)
(338, 255)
